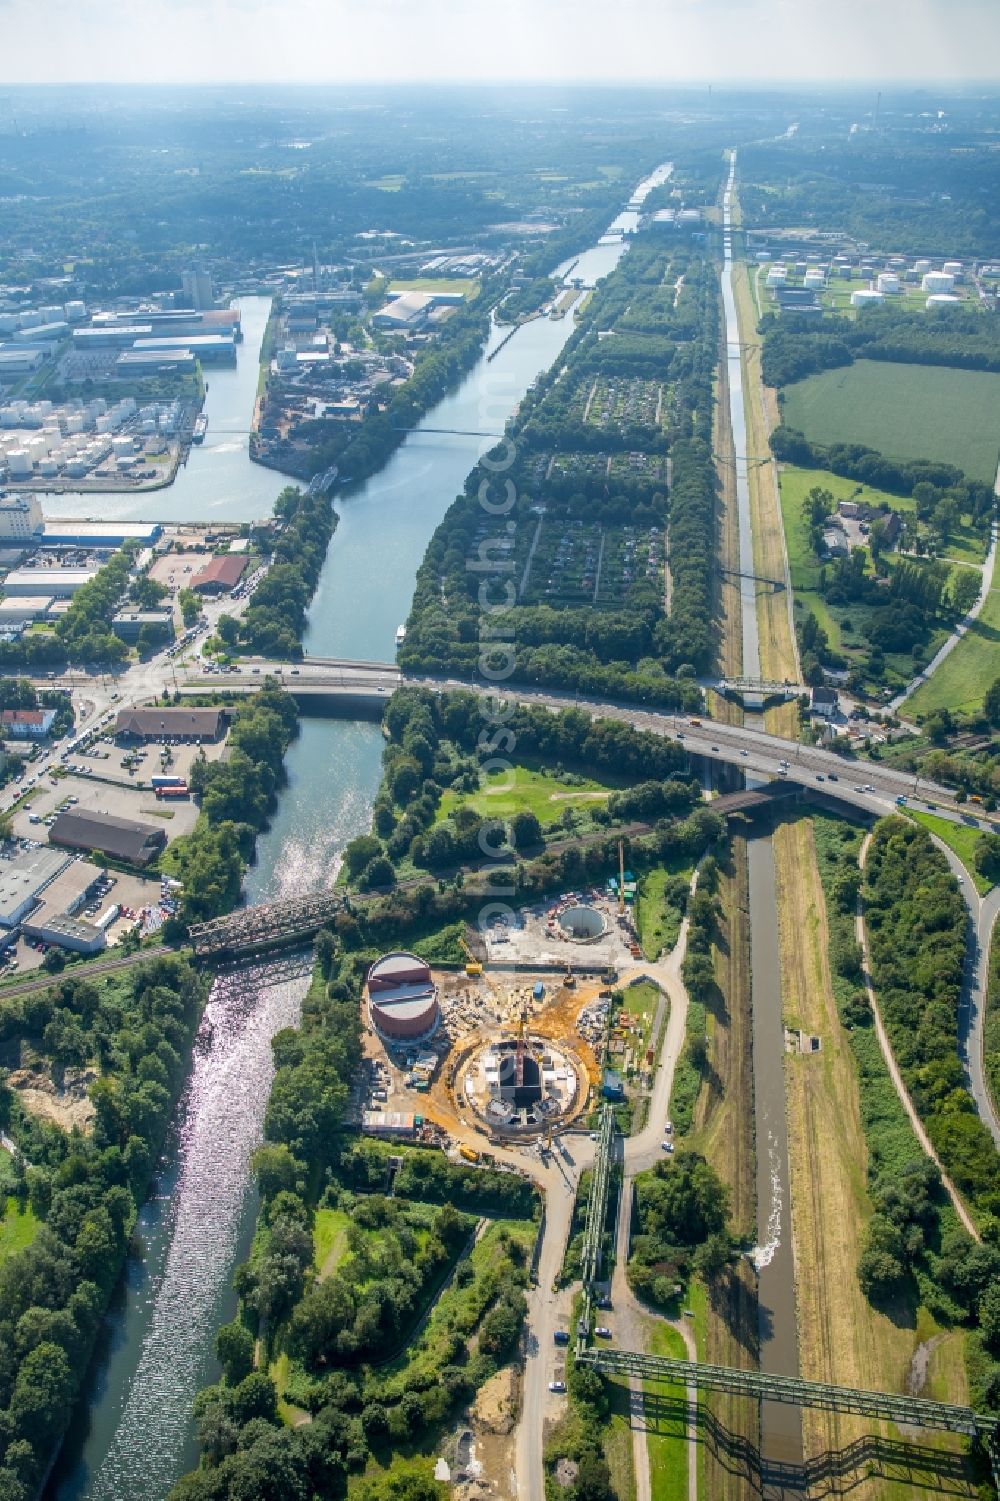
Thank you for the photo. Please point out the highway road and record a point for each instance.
(869, 785)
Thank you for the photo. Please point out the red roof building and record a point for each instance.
(220, 575)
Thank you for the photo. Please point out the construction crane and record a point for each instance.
(621, 877)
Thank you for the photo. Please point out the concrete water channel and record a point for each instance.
(781, 1426)
(133, 1435)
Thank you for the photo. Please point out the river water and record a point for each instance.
(134, 1434)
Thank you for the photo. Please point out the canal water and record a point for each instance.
(134, 1434)
(781, 1425)
(773, 1256)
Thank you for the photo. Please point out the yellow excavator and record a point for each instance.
(472, 965)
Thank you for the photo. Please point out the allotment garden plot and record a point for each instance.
(575, 562)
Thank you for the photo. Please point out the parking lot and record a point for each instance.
(51, 796)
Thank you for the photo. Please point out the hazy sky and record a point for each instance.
(204, 40)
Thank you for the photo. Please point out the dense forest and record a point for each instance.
(907, 189)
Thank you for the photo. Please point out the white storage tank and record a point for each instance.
(953, 268)
(938, 281)
(776, 276)
(887, 281)
(19, 463)
(921, 266)
(942, 299)
(48, 468)
(866, 297)
(814, 278)
(75, 311)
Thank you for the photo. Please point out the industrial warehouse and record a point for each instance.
(121, 838)
(41, 890)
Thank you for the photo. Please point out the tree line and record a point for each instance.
(913, 1251)
(85, 1188)
(796, 347)
(237, 796)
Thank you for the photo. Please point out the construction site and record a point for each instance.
(523, 1036)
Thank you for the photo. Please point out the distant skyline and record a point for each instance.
(393, 41)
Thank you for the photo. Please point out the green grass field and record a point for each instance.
(904, 411)
(659, 922)
(959, 838)
(642, 1001)
(666, 1437)
(464, 284)
(525, 790)
(329, 1238)
(965, 674)
(17, 1229)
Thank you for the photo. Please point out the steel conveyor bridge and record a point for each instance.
(597, 1208)
(917, 1411)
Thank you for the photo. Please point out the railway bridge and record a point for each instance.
(270, 925)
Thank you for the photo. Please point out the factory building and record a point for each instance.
(402, 998)
(54, 921)
(23, 610)
(23, 878)
(407, 311)
(17, 362)
(155, 362)
(40, 890)
(20, 518)
(41, 333)
(115, 336)
(210, 349)
(61, 583)
(122, 838)
(128, 625)
(108, 534)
